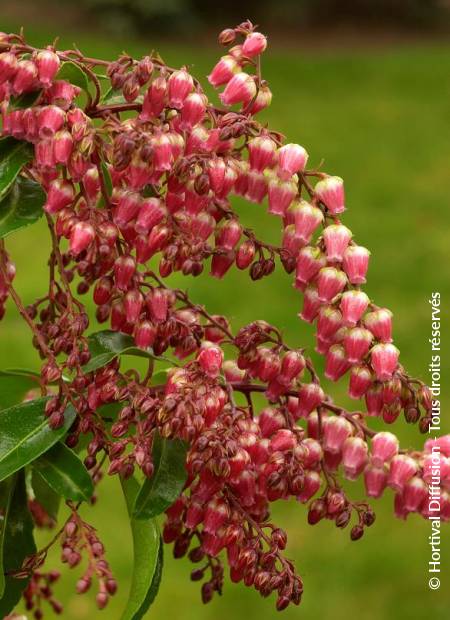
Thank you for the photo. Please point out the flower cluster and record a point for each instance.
(133, 198)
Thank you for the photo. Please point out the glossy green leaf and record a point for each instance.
(18, 541)
(63, 471)
(166, 484)
(21, 206)
(45, 495)
(105, 345)
(148, 558)
(72, 73)
(14, 386)
(113, 96)
(14, 154)
(25, 434)
(27, 100)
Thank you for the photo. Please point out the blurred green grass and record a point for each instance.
(378, 118)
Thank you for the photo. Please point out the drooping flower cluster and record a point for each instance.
(130, 199)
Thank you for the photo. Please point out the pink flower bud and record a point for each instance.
(180, 84)
(254, 44)
(102, 291)
(335, 431)
(124, 270)
(270, 420)
(357, 342)
(292, 158)
(306, 219)
(151, 212)
(48, 64)
(353, 305)
(221, 263)
(210, 358)
(154, 98)
(223, 71)
(157, 302)
(355, 263)
(374, 400)
(62, 94)
(81, 237)
(281, 194)
(375, 480)
(309, 261)
(267, 365)
(91, 184)
(228, 235)
(145, 335)
(443, 443)
(132, 304)
(310, 486)
(240, 89)
(245, 254)
(8, 66)
(330, 191)
(292, 365)
(336, 238)
(60, 194)
(414, 493)
(384, 360)
(354, 457)
(328, 322)
(25, 77)
(314, 452)
(402, 469)
(384, 447)
(193, 111)
(380, 324)
(128, 207)
(162, 152)
(435, 465)
(360, 381)
(261, 153)
(262, 100)
(336, 363)
(216, 515)
(311, 304)
(310, 395)
(44, 154)
(330, 282)
(62, 146)
(256, 186)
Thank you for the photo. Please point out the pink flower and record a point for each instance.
(306, 219)
(309, 261)
(132, 304)
(210, 358)
(402, 469)
(8, 66)
(25, 77)
(60, 194)
(229, 234)
(330, 282)
(336, 430)
(292, 158)
(336, 363)
(124, 270)
(357, 343)
(145, 335)
(375, 480)
(254, 44)
(193, 111)
(380, 324)
(328, 322)
(414, 493)
(281, 194)
(48, 64)
(81, 237)
(261, 153)
(354, 457)
(336, 238)
(374, 400)
(240, 89)
(384, 360)
(223, 71)
(360, 381)
(330, 191)
(384, 447)
(356, 262)
(353, 305)
(311, 304)
(180, 84)
(62, 146)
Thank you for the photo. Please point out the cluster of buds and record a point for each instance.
(38, 590)
(139, 185)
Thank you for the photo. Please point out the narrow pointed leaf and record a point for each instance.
(18, 541)
(106, 345)
(163, 488)
(25, 434)
(72, 73)
(148, 558)
(63, 471)
(14, 386)
(21, 206)
(45, 495)
(14, 154)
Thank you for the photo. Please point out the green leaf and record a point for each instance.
(18, 541)
(160, 377)
(14, 386)
(25, 434)
(21, 206)
(72, 73)
(63, 471)
(45, 495)
(107, 178)
(148, 558)
(113, 96)
(14, 154)
(106, 345)
(166, 484)
(27, 100)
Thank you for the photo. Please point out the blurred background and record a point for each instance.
(362, 84)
